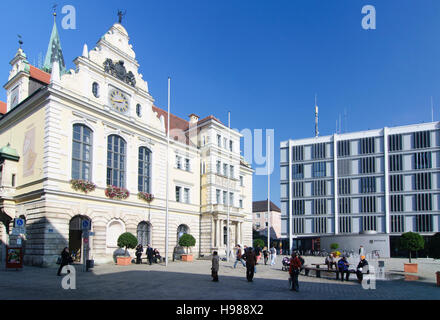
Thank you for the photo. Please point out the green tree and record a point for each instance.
(258, 242)
(434, 247)
(127, 241)
(334, 246)
(412, 242)
(187, 241)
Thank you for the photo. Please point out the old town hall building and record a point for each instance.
(90, 145)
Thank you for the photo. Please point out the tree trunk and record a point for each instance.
(409, 256)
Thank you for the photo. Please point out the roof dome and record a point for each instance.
(9, 153)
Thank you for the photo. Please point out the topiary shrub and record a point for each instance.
(187, 241)
(412, 242)
(334, 246)
(258, 243)
(127, 241)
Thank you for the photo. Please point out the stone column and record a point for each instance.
(221, 233)
(212, 233)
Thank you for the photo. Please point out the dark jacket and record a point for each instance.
(342, 265)
(150, 253)
(65, 257)
(362, 263)
(250, 257)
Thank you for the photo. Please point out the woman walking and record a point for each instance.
(215, 266)
(65, 260)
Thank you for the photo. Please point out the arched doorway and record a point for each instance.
(75, 236)
(144, 233)
(181, 230)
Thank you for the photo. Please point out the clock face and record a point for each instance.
(118, 101)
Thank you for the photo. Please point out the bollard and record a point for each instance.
(438, 278)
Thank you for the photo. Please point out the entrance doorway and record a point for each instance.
(75, 237)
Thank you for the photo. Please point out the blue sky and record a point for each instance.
(262, 60)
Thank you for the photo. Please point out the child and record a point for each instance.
(215, 266)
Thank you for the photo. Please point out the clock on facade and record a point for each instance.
(118, 101)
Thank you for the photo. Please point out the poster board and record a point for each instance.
(14, 258)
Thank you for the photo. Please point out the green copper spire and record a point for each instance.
(54, 51)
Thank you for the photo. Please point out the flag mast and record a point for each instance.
(167, 179)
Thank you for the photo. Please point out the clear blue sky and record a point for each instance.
(262, 60)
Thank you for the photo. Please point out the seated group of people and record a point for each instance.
(153, 255)
(342, 266)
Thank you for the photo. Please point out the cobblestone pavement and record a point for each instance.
(192, 281)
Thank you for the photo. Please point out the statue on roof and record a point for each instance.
(121, 14)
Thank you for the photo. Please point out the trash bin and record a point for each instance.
(90, 264)
(438, 278)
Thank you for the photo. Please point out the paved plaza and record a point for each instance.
(192, 281)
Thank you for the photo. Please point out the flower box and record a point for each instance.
(113, 192)
(123, 261)
(82, 185)
(148, 197)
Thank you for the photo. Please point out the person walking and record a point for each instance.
(139, 250)
(273, 255)
(342, 268)
(361, 269)
(265, 255)
(215, 266)
(239, 257)
(150, 254)
(65, 260)
(294, 269)
(251, 261)
(361, 251)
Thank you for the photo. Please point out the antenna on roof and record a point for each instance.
(316, 116)
(432, 110)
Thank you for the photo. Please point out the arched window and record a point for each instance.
(139, 110)
(181, 230)
(95, 89)
(82, 153)
(116, 151)
(144, 233)
(114, 230)
(144, 173)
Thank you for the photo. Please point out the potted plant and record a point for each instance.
(127, 241)
(113, 192)
(412, 242)
(148, 197)
(187, 241)
(82, 185)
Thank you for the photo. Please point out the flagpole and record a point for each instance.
(167, 179)
(268, 193)
(228, 181)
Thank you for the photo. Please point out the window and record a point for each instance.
(298, 207)
(241, 203)
(319, 188)
(187, 165)
(231, 145)
(225, 143)
(219, 140)
(369, 223)
(95, 89)
(424, 202)
(13, 181)
(225, 169)
(298, 225)
(298, 153)
(298, 171)
(396, 203)
(82, 153)
(318, 151)
(422, 160)
(139, 110)
(225, 198)
(241, 181)
(367, 145)
(395, 142)
(396, 183)
(143, 233)
(396, 163)
(186, 195)
(320, 206)
(232, 171)
(218, 196)
(344, 167)
(345, 224)
(298, 189)
(422, 139)
(344, 205)
(343, 148)
(319, 169)
(258, 216)
(368, 165)
(368, 204)
(178, 162)
(178, 194)
(219, 167)
(320, 225)
(231, 199)
(424, 223)
(397, 224)
(368, 185)
(116, 151)
(144, 173)
(423, 181)
(344, 186)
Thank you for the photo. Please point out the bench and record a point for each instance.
(319, 270)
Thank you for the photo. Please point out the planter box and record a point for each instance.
(410, 267)
(123, 261)
(187, 257)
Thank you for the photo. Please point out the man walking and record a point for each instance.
(150, 254)
(295, 267)
(239, 257)
(215, 266)
(251, 260)
(273, 255)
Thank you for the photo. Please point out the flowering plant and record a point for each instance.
(148, 197)
(82, 185)
(116, 192)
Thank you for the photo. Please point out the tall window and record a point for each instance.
(144, 233)
(297, 171)
(319, 169)
(368, 165)
(297, 153)
(395, 142)
(144, 173)
(422, 139)
(82, 152)
(423, 160)
(218, 196)
(218, 167)
(116, 151)
(318, 151)
(178, 194)
(367, 145)
(343, 148)
(396, 162)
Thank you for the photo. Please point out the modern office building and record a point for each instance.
(361, 188)
(89, 145)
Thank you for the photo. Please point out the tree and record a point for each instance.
(334, 246)
(127, 241)
(434, 247)
(258, 242)
(187, 241)
(412, 242)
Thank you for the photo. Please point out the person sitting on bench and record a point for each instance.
(343, 268)
(330, 261)
(361, 268)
